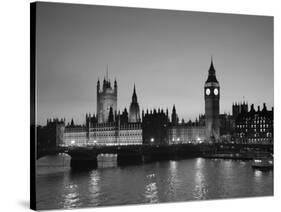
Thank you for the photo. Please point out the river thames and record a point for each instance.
(165, 181)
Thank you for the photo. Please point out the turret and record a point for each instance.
(252, 109)
(134, 97)
(104, 85)
(134, 112)
(115, 86)
(264, 108)
(174, 116)
(110, 116)
(98, 86)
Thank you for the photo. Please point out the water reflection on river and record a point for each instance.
(166, 181)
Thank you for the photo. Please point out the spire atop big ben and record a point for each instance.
(212, 73)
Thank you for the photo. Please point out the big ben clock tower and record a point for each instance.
(212, 105)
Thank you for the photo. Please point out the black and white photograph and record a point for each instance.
(143, 106)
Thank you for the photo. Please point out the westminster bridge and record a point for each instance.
(86, 157)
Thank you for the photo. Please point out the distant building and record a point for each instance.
(191, 132)
(201, 120)
(107, 127)
(254, 126)
(238, 108)
(50, 136)
(155, 127)
(115, 134)
(227, 127)
(75, 135)
(174, 116)
(117, 131)
(181, 132)
(212, 105)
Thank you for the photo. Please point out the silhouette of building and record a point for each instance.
(50, 136)
(107, 127)
(227, 127)
(155, 126)
(134, 112)
(75, 136)
(212, 105)
(158, 129)
(174, 118)
(190, 132)
(201, 119)
(254, 126)
(117, 131)
(115, 134)
(106, 100)
(237, 108)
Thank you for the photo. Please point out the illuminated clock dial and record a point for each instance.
(216, 91)
(208, 91)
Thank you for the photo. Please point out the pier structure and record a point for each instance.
(86, 157)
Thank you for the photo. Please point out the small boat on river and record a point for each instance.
(263, 162)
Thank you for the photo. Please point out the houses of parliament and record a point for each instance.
(110, 126)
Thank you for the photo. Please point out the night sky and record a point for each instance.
(165, 53)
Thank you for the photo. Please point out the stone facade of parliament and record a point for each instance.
(109, 126)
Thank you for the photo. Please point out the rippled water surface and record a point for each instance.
(165, 181)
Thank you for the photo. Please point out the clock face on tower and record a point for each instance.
(216, 91)
(208, 91)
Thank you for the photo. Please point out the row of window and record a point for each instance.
(268, 135)
(71, 135)
(255, 130)
(115, 135)
(253, 126)
(137, 127)
(259, 140)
